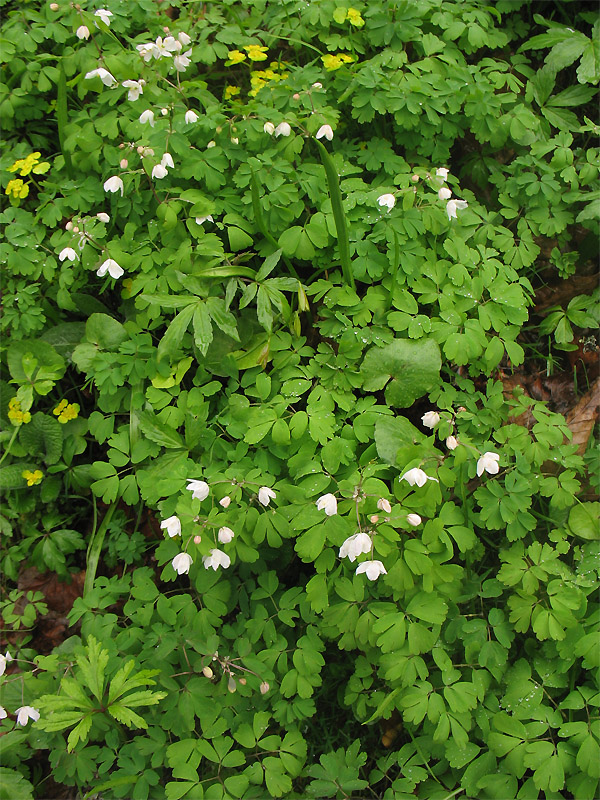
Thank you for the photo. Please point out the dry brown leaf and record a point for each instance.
(582, 418)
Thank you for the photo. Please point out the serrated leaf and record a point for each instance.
(42, 436)
(171, 341)
(158, 431)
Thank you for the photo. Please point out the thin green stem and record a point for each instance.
(62, 118)
(95, 547)
(12, 438)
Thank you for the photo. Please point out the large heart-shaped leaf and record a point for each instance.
(409, 368)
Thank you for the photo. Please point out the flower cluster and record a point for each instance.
(488, 462)
(254, 52)
(29, 164)
(33, 478)
(15, 414)
(169, 47)
(333, 61)
(66, 411)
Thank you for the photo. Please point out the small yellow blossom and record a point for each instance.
(256, 52)
(29, 164)
(17, 188)
(354, 18)
(332, 62)
(33, 478)
(16, 415)
(231, 91)
(236, 57)
(66, 411)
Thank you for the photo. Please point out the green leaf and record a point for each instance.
(428, 607)
(203, 332)
(13, 786)
(412, 366)
(584, 521)
(42, 436)
(158, 431)
(93, 665)
(105, 332)
(395, 434)
(171, 341)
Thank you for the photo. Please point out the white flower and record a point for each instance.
(387, 200)
(135, 88)
(25, 713)
(67, 252)
(452, 206)
(328, 504)
(181, 62)
(82, 32)
(104, 15)
(414, 519)
(265, 495)
(199, 489)
(235, 140)
(114, 184)
(164, 111)
(225, 535)
(355, 545)
(201, 220)
(110, 266)
(373, 569)
(104, 75)
(317, 85)
(4, 661)
(430, 419)
(184, 38)
(191, 117)
(167, 160)
(283, 129)
(444, 193)
(417, 476)
(442, 172)
(225, 501)
(3, 713)
(103, 217)
(182, 563)
(159, 172)
(211, 144)
(384, 505)
(147, 116)
(146, 50)
(172, 44)
(216, 558)
(269, 128)
(451, 442)
(489, 463)
(325, 131)
(172, 525)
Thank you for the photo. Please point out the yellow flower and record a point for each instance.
(256, 52)
(235, 57)
(231, 91)
(17, 188)
(346, 59)
(29, 164)
(66, 411)
(354, 18)
(331, 62)
(257, 84)
(33, 478)
(16, 415)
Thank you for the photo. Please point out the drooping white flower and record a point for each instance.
(167, 161)
(442, 172)
(269, 128)
(114, 184)
(265, 495)
(104, 15)
(216, 558)
(417, 476)
(159, 172)
(317, 85)
(172, 526)
(325, 131)
(67, 253)
(225, 535)
(102, 217)
(328, 504)
(182, 61)
(201, 220)
(444, 193)
(210, 145)
(182, 563)
(430, 419)
(110, 266)
(414, 519)
(384, 505)
(225, 501)
(387, 200)
(135, 88)
(355, 546)
(191, 117)
(147, 116)
(3, 713)
(82, 32)
(25, 713)
(184, 38)
(200, 489)
(452, 206)
(104, 75)
(4, 660)
(235, 140)
(451, 442)
(373, 569)
(283, 129)
(489, 463)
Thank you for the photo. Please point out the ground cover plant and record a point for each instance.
(299, 382)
